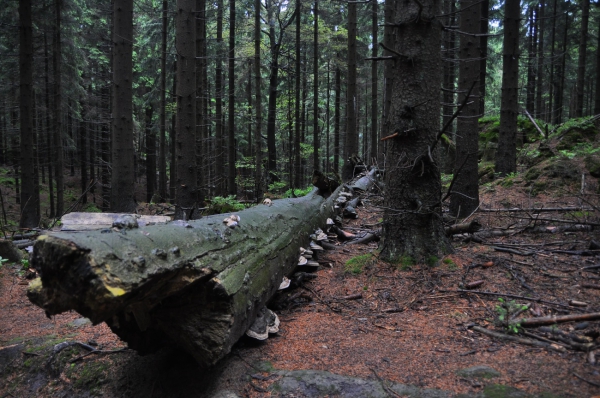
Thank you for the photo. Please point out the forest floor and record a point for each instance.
(402, 323)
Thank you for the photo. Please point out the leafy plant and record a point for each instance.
(2, 261)
(219, 205)
(506, 310)
(432, 261)
(356, 264)
(298, 192)
(406, 263)
(451, 264)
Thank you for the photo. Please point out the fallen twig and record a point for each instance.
(551, 320)
(586, 380)
(537, 300)
(516, 339)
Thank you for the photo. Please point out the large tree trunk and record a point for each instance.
(198, 285)
(122, 197)
(186, 188)
(57, 135)
(412, 219)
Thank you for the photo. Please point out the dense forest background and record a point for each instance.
(269, 91)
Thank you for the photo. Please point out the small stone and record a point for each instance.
(175, 251)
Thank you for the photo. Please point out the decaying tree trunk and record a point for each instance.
(198, 284)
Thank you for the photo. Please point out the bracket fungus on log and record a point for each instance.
(198, 285)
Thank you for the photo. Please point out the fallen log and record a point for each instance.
(365, 183)
(196, 284)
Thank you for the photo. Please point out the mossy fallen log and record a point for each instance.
(196, 284)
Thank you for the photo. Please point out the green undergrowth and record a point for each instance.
(356, 264)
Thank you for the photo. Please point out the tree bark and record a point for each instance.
(374, 81)
(150, 155)
(539, 99)
(597, 95)
(122, 197)
(30, 216)
(484, 29)
(316, 87)
(351, 141)
(231, 185)
(199, 287)
(57, 134)
(412, 220)
(532, 47)
(259, 187)
(298, 72)
(219, 155)
(465, 198)
(83, 133)
(336, 121)
(585, 16)
(187, 198)
(506, 155)
(162, 155)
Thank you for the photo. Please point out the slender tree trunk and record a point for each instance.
(150, 155)
(506, 155)
(57, 136)
(539, 96)
(561, 89)
(327, 114)
(232, 189)
(105, 151)
(30, 216)
(220, 160)
(552, 82)
(122, 197)
(202, 120)
(174, 160)
(485, 13)
(83, 130)
(465, 198)
(448, 96)
(316, 87)
(532, 46)
(187, 198)
(336, 120)
(162, 156)
(413, 182)
(374, 81)
(49, 136)
(597, 96)
(258, 102)
(351, 141)
(70, 128)
(585, 16)
(297, 161)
